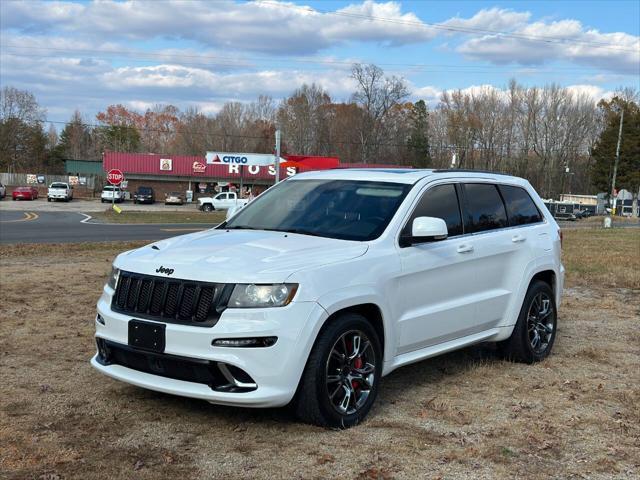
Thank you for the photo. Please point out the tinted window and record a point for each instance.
(485, 210)
(520, 207)
(144, 190)
(440, 202)
(222, 196)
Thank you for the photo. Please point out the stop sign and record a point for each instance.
(115, 176)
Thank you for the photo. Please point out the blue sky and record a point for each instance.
(87, 55)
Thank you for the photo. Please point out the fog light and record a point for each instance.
(256, 342)
(99, 319)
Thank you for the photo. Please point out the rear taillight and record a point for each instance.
(560, 234)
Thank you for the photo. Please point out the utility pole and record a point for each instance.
(277, 162)
(615, 166)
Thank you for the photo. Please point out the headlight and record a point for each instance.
(113, 277)
(258, 296)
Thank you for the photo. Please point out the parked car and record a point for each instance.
(173, 198)
(24, 193)
(329, 281)
(144, 195)
(221, 201)
(60, 191)
(3, 191)
(111, 193)
(565, 216)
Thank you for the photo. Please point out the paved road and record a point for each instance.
(67, 227)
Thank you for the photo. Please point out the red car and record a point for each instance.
(25, 193)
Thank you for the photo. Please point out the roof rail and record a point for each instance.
(467, 170)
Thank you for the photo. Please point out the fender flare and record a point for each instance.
(338, 300)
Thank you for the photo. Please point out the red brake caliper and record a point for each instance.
(357, 363)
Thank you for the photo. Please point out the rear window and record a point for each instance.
(58, 185)
(485, 209)
(520, 207)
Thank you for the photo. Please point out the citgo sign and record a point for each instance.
(261, 159)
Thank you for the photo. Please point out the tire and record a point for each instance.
(314, 401)
(48, 199)
(208, 208)
(522, 346)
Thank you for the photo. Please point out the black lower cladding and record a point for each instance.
(170, 366)
(170, 300)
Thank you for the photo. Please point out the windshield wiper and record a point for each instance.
(301, 232)
(242, 227)
(283, 230)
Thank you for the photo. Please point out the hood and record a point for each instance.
(238, 256)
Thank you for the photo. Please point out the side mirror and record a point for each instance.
(425, 229)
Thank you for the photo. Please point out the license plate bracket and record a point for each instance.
(147, 335)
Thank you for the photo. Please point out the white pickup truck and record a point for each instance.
(59, 191)
(221, 201)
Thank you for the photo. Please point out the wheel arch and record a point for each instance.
(370, 311)
(548, 277)
(367, 303)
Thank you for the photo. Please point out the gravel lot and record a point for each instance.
(465, 414)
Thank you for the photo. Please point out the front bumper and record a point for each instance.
(276, 370)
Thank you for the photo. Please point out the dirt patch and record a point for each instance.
(464, 414)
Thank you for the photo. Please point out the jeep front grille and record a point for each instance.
(170, 300)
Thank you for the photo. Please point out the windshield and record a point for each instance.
(109, 188)
(343, 209)
(144, 190)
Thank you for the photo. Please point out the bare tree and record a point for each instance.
(376, 95)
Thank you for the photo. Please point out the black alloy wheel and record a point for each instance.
(535, 331)
(340, 381)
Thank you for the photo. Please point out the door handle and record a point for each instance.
(518, 238)
(465, 248)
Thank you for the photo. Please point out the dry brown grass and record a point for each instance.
(602, 258)
(462, 415)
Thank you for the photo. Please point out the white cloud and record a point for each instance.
(593, 92)
(428, 93)
(568, 40)
(273, 27)
(495, 19)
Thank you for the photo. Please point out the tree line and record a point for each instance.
(559, 140)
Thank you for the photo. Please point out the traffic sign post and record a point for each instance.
(115, 177)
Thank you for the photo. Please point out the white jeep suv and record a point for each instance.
(329, 281)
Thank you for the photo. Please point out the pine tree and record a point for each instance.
(418, 142)
(604, 152)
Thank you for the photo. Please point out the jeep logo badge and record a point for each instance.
(168, 271)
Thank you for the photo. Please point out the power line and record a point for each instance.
(451, 28)
(143, 56)
(316, 142)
